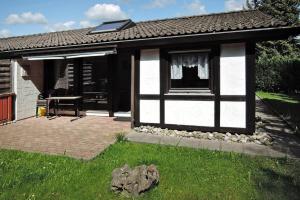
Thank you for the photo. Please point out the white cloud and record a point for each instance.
(233, 5)
(160, 3)
(4, 33)
(62, 26)
(196, 7)
(105, 12)
(26, 18)
(86, 24)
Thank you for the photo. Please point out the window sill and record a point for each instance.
(201, 92)
(189, 93)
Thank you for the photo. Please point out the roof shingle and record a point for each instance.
(231, 21)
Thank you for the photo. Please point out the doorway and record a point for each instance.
(94, 83)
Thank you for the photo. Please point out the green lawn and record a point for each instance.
(288, 106)
(185, 174)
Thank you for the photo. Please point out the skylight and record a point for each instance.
(112, 26)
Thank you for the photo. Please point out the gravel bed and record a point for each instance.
(259, 137)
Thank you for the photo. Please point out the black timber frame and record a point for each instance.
(249, 98)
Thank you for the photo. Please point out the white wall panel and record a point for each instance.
(27, 88)
(233, 69)
(194, 113)
(149, 111)
(149, 72)
(233, 114)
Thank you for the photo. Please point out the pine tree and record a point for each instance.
(285, 10)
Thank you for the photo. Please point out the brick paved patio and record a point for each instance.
(83, 138)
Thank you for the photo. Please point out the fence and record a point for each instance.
(6, 97)
(6, 107)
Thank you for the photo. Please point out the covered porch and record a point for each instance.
(101, 78)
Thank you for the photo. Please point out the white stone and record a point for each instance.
(228, 134)
(210, 136)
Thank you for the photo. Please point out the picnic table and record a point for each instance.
(75, 99)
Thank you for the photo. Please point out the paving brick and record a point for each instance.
(83, 138)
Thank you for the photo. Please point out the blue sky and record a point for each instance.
(22, 17)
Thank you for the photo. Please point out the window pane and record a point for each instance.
(111, 26)
(189, 70)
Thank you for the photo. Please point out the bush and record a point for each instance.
(278, 73)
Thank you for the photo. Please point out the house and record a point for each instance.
(192, 73)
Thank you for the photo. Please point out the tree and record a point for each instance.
(286, 10)
(276, 57)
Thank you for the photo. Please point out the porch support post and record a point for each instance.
(132, 89)
(111, 65)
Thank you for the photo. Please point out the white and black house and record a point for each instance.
(189, 73)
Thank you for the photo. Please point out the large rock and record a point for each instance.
(133, 182)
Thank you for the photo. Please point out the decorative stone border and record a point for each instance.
(261, 138)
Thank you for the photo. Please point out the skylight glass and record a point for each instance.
(112, 26)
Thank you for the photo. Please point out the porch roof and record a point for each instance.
(247, 20)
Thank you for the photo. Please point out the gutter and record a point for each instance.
(151, 39)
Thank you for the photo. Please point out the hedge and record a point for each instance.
(278, 73)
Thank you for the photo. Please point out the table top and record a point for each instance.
(64, 98)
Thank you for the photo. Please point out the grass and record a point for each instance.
(184, 174)
(288, 106)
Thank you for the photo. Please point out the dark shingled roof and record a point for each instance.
(219, 22)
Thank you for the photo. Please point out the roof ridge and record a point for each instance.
(45, 33)
(191, 16)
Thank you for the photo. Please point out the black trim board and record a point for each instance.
(189, 97)
(163, 62)
(216, 84)
(132, 88)
(137, 87)
(233, 98)
(150, 96)
(250, 86)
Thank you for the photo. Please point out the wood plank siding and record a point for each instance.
(6, 97)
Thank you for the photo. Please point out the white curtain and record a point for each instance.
(199, 60)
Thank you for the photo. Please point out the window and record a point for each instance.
(112, 26)
(189, 71)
